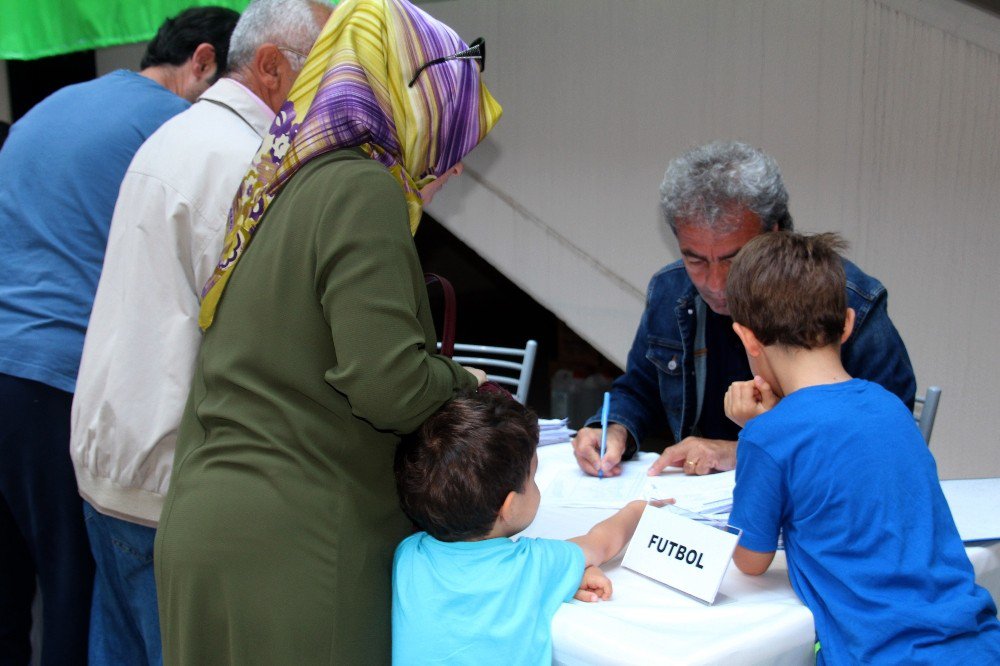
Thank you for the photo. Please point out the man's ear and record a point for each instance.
(749, 340)
(266, 65)
(203, 62)
(848, 325)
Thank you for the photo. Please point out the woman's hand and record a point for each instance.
(477, 373)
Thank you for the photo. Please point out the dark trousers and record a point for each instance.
(42, 532)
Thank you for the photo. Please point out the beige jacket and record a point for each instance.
(143, 336)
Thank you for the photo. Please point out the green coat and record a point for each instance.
(275, 544)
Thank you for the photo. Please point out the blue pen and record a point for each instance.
(604, 431)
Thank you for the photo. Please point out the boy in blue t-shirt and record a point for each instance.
(839, 466)
(463, 592)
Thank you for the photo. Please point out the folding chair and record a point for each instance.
(924, 411)
(511, 366)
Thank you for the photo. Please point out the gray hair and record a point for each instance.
(288, 23)
(701, 186)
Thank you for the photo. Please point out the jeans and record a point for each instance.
(124, 621)
(41, 529)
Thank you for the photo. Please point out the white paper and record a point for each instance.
(710, 494)
(571, 487)
(975, 506)
(554, 431)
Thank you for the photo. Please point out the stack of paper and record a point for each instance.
(554, 431)
(709, 495)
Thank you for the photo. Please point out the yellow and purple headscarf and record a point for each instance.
(352, 92)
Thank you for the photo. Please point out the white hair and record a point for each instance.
(288, 23)
(704, 182)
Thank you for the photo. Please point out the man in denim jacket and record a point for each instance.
(715, 199)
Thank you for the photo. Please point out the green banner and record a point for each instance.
(39, 28)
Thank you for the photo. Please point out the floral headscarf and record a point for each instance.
(352, 92)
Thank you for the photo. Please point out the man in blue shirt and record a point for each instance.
(62, 165)
(685, 355)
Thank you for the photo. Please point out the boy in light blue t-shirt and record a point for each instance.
(463, 591)
(839, 466)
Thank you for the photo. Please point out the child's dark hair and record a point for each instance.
(455, 472)
(178, 37)
(789, 289)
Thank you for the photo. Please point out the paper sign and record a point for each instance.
(682, 549)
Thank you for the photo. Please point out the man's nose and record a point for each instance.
(717, 274)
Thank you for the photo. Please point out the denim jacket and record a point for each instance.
(664, 381)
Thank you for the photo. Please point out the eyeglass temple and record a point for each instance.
(471, 53)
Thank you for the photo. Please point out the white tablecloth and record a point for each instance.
(755, 619)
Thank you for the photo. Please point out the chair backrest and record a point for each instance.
(925, 409)
(510, 366)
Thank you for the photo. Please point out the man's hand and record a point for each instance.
(697, 455)
(745, 400)
(587, 449)
(594, 586)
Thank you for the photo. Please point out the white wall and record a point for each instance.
(884, 115)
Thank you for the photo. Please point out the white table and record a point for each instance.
(755, 619)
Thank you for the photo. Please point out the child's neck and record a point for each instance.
(500, 530)
(795, 368)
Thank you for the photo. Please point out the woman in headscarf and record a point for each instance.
(276, 540)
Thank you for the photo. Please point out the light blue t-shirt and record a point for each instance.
(872, 548)
(61, 169)
(479, 602)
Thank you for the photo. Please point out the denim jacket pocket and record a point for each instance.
(666, 355)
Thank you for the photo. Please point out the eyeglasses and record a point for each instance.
(476, 51)
(302, 57)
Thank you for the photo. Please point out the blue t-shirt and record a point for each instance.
(872, 548)
(62, 166)
(480, 602)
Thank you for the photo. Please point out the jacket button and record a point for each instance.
(672, 365)
(690, 311)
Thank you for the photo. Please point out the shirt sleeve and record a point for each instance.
(636, 401)
(562, 565)
(758, 498)
(371, 289)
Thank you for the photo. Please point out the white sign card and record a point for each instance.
(681, 549)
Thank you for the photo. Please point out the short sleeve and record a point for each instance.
(562, 565)
(758, 498)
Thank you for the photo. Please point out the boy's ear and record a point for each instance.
(507, 508)
(749, 340)
(848, 325)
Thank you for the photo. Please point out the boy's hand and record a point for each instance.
(745, 400)
(594, 586)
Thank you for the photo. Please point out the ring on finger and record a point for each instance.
(692, 462)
